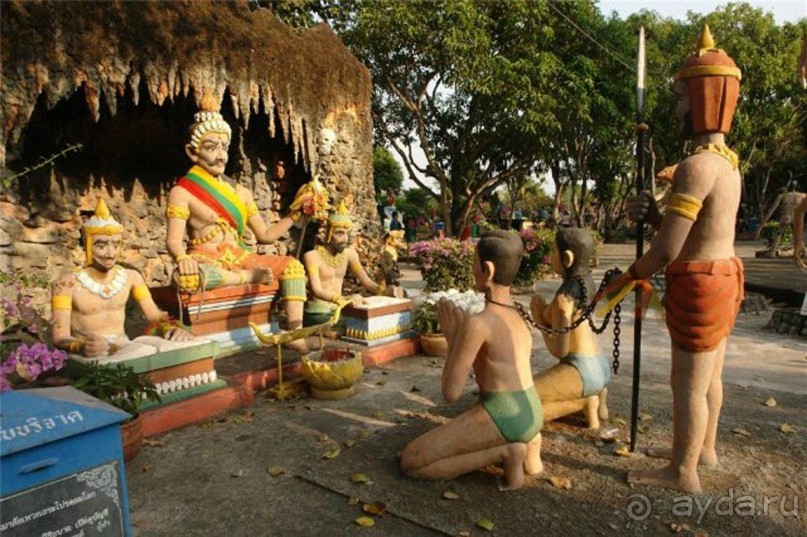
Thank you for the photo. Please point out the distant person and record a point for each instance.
(565, 218)
(395, 224)
(439, 229)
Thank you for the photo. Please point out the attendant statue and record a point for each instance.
(579, 381)
(393, 242)
(704, 278)
(505, 426)
(204, 208)
(89, 304)
(327, 266)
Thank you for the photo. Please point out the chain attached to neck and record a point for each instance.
(584, 317)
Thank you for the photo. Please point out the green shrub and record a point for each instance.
(444, 263)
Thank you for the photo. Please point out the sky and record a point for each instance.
(783, 10)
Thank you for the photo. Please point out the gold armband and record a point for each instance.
(141, 292)
(295, 216)
(685, 205)
(175, 211)
(75, 346)
(182, 257)
(61, 302)
(382, 288)
(252, 208)
(355, 266)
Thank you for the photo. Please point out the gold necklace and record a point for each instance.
(335, 261)
(722, 150)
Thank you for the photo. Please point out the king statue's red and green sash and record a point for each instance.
(218, 195)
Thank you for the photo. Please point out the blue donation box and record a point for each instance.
(61, 465)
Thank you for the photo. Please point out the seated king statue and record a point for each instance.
(89, 304)
(215, 215)
(327, 266)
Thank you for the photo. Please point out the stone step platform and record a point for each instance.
(248, 374)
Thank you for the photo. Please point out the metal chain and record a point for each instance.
(585, 316)
(617, 332)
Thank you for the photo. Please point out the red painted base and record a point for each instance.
(244, 385)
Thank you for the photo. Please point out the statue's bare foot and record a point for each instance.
(261, 275)
(532, 460)
(707, 458)
(514, 466)
(666, 477)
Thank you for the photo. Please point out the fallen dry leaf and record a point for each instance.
(741, 431)
(770, 401)
(787, 428)
(353, 500)
(153, 443)
(323, 438)
(645, 417)
(448, 495)
(560, 482)
(620, 422)
(365, 521)
(643, 428)
(275, 471)
(364, 433)
(485, 524)
(350, 442)
(237, 473)
(374, 508)
(147, 468)
(378, 414)
(381, 382)
(331, 453)
(622, 451)
(414, 389)
(244, 418)
(464, 534)
(360, 478)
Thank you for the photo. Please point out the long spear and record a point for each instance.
(640, 186)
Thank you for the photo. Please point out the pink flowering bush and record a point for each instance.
(536, 263)
(444, 263)
(23, 354)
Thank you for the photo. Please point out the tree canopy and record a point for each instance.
(497, 92)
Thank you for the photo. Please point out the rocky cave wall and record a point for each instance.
(123, 79)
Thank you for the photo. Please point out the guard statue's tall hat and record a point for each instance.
(713, 85)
